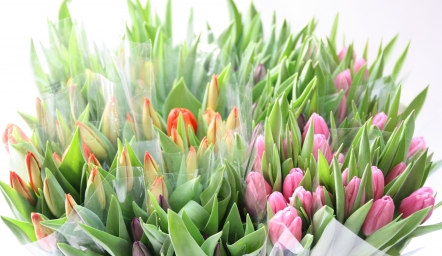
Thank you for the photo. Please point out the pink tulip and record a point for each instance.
(343, 81)
(343, 52)
(285, 219)
(379, 120)
(318, 197)
(377, 178)
(319, 124)
(291, 182)
(277, 201)
(418, 200)
(345, 177)
(321, 143)
(417, 144)
(257, 190)
(396, 171)
(351, 192)
(305, 197)
(341, 158)
(359, 62)
(260, 148)
(380, 214)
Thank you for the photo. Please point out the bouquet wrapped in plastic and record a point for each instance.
(233, 145)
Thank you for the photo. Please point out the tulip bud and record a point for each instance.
(95, 181)
(13, 135)
(57, 159)
(126, 168)
(42, 232)
(345, 177)
(229, 140)
(305, 197)
(233, 119)
(150, 169)
(163, 203)
(343, 81)
(21, 187)
(341, 158)
(188, 117)
(351, 192)
(396, 171)
(86, 151)
(377, 178)
(137, 230)
(291, 182)
(33, 168)
(176, 138)
(69, 204)
(260, 148)
(260, 73)
(208, 116)
(149, 119)
(131, 122)
(213, 94)
(192, 164)
(284, 146)
(320, 143)
(319, 124)
(43, 118)
(318, 197)
(379, 120)
(417, 144)
(380, 214)
(359, 62)
(285, 219)
(92, 141)
(92, 160)
(158, 188)
(215, 128)
(139, 249)
(48, 199)
(277, 201)
(343, 52)
(418, 200)
(257, 190)
(111, 124)
(204, 145)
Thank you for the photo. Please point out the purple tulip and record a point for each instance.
(260, 148)
(285, 219)
(321, 143)
(396, 171)
(380, 214)
(351, 192)
(417, 144)
(257, 190)
(139, 249)
(377, 178)
(379, 120)
(259, 74)
(277, 201)
(137, 230)
(418, 200)
(305, 197)
(319, 124)
(343, 81)
(291, 182)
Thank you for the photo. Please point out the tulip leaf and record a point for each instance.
(393, 112)
(23, 231)
(355, 221)
(400, 62)
(181, 97)
(182, 241)
(339, 191)
(249, 244)
(184, 193)
(193, 230)
(113, 245)
(115, 223)
(159, 210)
(196, 213)
(275, 119)
(73, 161)
(20, 207)
(167, 144)
(89, 218)
(323, 170)
(307, 147)
(167, 248)
(416, 104)
(156, 237)
(139, 212)
(236, 230)
(68, 250)
(213, 188)
(210, 244)
(54, 224)
(212, 224)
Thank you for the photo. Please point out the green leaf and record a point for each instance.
(339, 191)
(115, 223)
(73, 161)
(334, 30)
(400, 62)
(184, 193)
(156, 237)
(57, 195)
(355, 221)
(159, 210)
(23, 231)
(20, 207)
(209, 245)
(416, 104)
(196, 213)
(249, 244)
(193, 230)
(182, 241)
(181, 97)
(275, 120)
(54, 224)
(212, 224)
(236, 230)
(113, 245)
(68, 250)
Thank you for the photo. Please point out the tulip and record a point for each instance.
(69, 204)
(229, 140)
(33, 168)
(318, 197)
(351, 192)
(343, 52)
(137, 230)
(260, 148)
(126, 168)
(345, 177)
(149, 119)
(92, 160)
(86, 151)
(13, 135)
(131, 122)
(396, 171)
(319, 124)
(57, 159)
(44, 118)
(277, 201)
(342, 109)
(379, 120)
(192, 164)
(359, 62)
(341, 158)
(176, 138)
(380, 214)
(213, 94)
(215, 129)
(139, 249)
(377, 178)
(305, 197)
(291, 182)
(208, 116)
(188, 117)
(285, 219)
(151, 169)
(418, 200)
(260, 73)
(343, 81)
(233, 119)
(42, 232)
(204, 145)
(19, 185)
(320, 143)
(111, 124)
(301, 122)
(163, 203)
(48, 196)
(257, 190)
(95, 182)
(417, 144)
(158, 188)
(92, 141)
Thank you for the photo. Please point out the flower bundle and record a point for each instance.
(233, 147)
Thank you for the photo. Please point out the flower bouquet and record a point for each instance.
(228, 145)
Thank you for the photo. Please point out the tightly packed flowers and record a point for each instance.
(276, 146)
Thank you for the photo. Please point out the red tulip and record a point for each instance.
(172, 120)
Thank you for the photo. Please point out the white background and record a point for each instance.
(416, 21)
